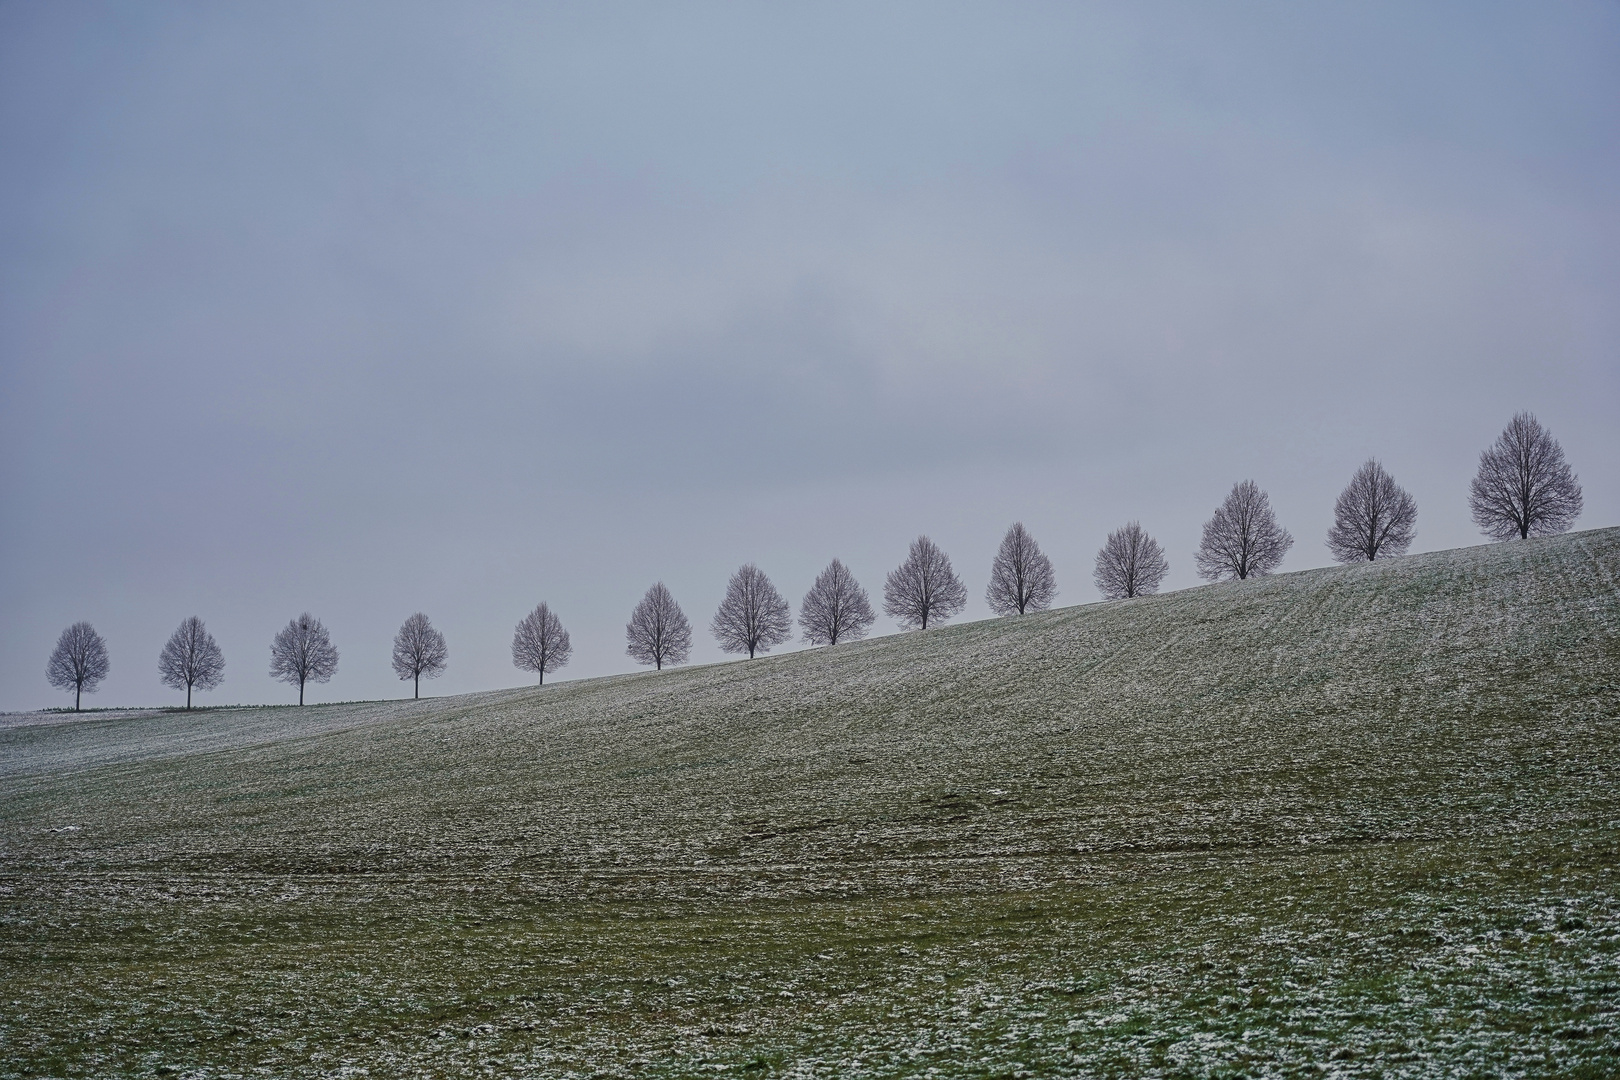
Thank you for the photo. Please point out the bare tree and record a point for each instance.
(192, 658)
(836, 608)
(753, 616)
(658, 632)
(1243, 539)
(302, 653)
(1524, 487)
(540, 643)
(924, 587)
(1374, 517)
(79, 661)
(419, 650)
(1130, 563)
(1021, 577)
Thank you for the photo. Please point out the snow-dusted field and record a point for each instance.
(1349, 822)
(108, 736)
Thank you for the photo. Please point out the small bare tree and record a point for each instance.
(1524, 487)
(79, 661)
(1021, 577)
(540, 643)
(924, 588)
(1130, 563)
(302, 653)
(658, 632)
(1374, 517)
(192, 658)
(1243, 539)
(753, 617)
(419, 650)
(836, 608)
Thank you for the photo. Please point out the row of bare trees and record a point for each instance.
(301, 653)
(191, 660)
(754, 617)
(1524, 488)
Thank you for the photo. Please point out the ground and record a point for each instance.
(1352, 822)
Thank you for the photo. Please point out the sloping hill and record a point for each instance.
(1371, 811)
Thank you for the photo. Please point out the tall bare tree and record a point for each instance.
(658, 632)
(753, 617)
(192, 658)
(302, 653)
(924, 588)
(1021, 577)
(836, 608)
(419, 650)
(1524, 486)
(1243, 539)
(1374, 517)
(79, 661)
(1130, 563)
(540, 643)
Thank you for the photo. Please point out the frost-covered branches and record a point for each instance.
(658, 632)
(753, 616)
(79, 661)
(924, 587)
(1021, 577)
(836, 608)
(1374, 517)
(192, 658)
(1130, 563)
(1524, 487)
(539, 643)
(302, 653)
(1243, 539)
(419, 650)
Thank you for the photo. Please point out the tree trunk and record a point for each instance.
(188, 697)
(416, 690)
(300, 691)
(77, 687)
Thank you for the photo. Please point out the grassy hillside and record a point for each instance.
(1359, 821)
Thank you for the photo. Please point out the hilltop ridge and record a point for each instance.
(1379, 612)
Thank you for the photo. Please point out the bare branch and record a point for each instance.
(540, 644)
(79, 661)
(753, 617)
(1130, 563)
(1021, 577)
(1374, 517)
(1243, 539)
(924, 588)
(658, 632)
(191, 659)
(1524, 486)
(419, 650)
(836, 608)
(302, 653)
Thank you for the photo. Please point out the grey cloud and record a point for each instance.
(367, 310)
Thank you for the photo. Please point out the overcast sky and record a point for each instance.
(365, 310)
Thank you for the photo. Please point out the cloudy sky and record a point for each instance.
(371, 309)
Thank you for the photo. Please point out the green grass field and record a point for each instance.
(1346, 822)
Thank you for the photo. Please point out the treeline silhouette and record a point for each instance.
(1524, 487)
